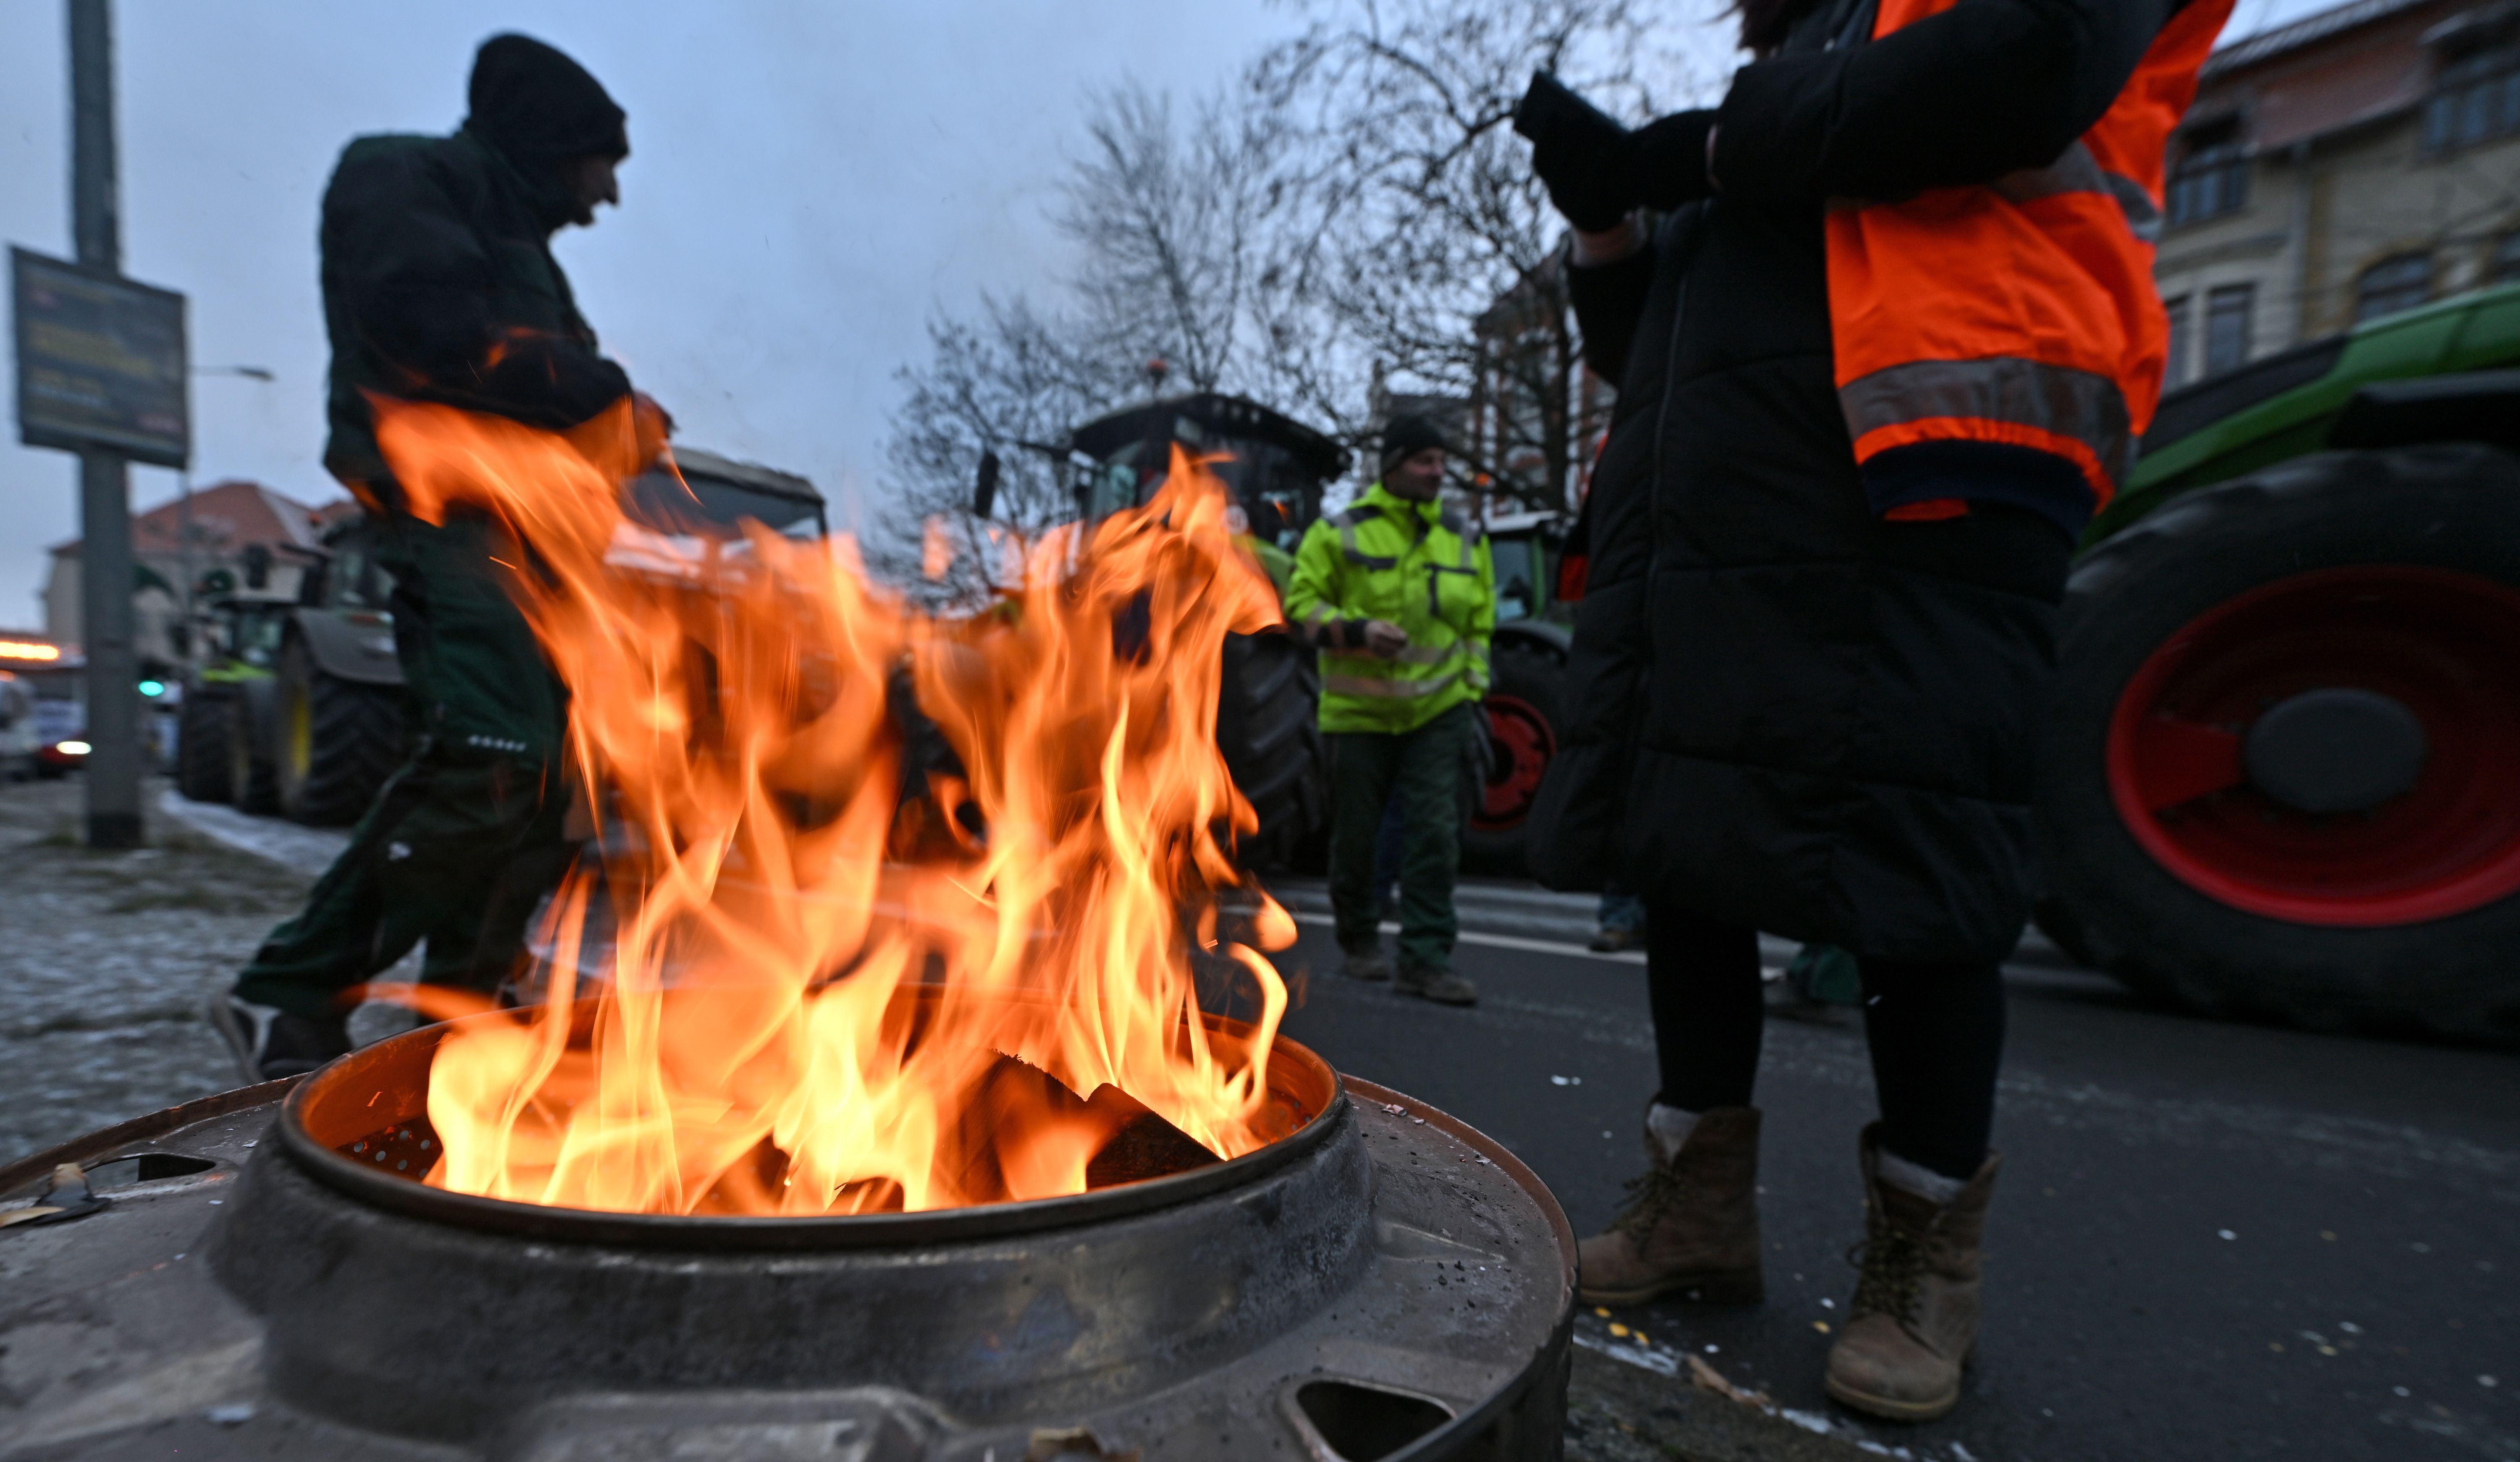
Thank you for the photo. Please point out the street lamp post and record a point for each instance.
(105, 480)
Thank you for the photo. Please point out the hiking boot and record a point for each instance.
(1914, 1317)
(272, 1044)
(1366, 964)
(1434, 982)
(1613, 937)
(1691, 1223)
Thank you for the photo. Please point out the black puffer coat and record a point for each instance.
(1785, 711)
(439, 283)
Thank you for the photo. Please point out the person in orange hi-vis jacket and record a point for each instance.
(1886, 336)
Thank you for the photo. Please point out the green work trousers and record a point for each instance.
(466, 839)
(1422, 769)
(456, 852)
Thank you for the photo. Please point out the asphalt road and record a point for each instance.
(2210, 1240)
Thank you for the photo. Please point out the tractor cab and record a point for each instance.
(714, 497)
(239, 635)
(1275, 465)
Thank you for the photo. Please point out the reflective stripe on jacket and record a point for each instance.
(1420, 566)
(2021, 312)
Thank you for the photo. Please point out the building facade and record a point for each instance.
(2359, 162)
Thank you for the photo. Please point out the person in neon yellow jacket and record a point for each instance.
(1399, 594)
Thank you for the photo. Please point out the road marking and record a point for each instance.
(1495, 941)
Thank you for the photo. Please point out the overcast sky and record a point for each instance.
(809, 181)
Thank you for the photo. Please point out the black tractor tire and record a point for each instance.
(2169, 858)
(202, 732)
(253, 781)
(1268, 728)
(1525, 707)
(336, 740)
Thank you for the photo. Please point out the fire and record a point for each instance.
(829, 935)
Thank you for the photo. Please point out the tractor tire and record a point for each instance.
(2284, 777)
(253, 779)
(1525, 707)
(338, 740)
(1268, 727)
(201, 729)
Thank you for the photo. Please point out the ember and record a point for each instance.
(846, 978)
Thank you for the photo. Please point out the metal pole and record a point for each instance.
(105, 480)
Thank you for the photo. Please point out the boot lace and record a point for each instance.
(1648, 1198)
(1891, 1268)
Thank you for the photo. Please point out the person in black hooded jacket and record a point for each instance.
(440, 286)
(1789, 711)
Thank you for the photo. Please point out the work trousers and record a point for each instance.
(1935, 1030)
(1420, 771)
(465, 840)
(454, 851)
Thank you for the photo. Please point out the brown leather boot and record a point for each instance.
(1691, 1221)
(1915, 1316)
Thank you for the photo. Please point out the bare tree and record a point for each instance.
(1419, 254)
(1352, 219)
(1169, 222)
(1007, 381)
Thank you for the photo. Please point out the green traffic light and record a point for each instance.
(153, 687)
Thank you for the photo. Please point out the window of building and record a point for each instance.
(2226, 327)
(2181, 339)
(2399, 282)
(2474, 99)
(2506, 259)
(2212, 177)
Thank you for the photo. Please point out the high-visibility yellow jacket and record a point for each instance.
(1417, 565)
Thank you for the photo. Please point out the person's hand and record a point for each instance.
(1384, 639)
(1598, 171)
(1584, 158)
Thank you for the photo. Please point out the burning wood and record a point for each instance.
(824, 995)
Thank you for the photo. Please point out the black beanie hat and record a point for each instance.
(539, 107)
(1405, 436)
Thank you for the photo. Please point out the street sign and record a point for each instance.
(101, 362)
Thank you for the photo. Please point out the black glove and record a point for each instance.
(1582, 156)
(1598, 171)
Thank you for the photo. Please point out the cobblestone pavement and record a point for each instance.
(106, 960)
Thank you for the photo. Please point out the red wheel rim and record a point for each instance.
(2445, 645)
(1522, 744)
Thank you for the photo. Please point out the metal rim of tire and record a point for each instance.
(2443, 646)
(1524, 702)
(1523, 743)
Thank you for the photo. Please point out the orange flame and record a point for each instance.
(815, 978)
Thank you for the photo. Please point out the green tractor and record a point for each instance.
(320, 715)
(1268, 721)
(235, 643)
(2285, 770)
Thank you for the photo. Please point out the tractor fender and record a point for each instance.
(2471, 406)
(1535, 634)
(352, 644)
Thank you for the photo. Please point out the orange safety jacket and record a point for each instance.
(2020, 312)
